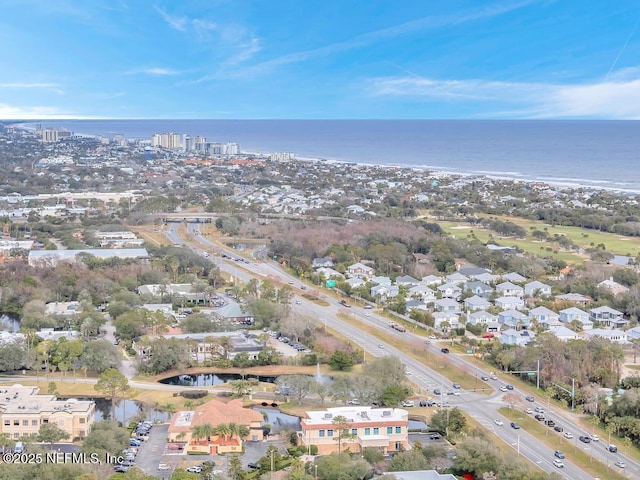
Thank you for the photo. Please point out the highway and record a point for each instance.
(483, 408)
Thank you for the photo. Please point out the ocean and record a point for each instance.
(595, 154)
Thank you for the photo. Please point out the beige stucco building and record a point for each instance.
(23, 410)
(383, 428)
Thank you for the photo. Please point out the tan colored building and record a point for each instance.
(383, 428)
(214, 413)
(23, 410)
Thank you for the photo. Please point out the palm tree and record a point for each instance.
(208, 431)
(198, 433)
(222, 430)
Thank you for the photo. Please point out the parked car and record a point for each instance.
(175, 446)
(408, 403)
(253, 465)
(353, 401)
(195, 469)
(434, 436)
(488, 335)
(119, 468)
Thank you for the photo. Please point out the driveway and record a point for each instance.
(254, 451)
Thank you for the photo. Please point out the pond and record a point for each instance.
(10, 322)
(417, 424)
(209, 379)
(125, 410)
(279, 420)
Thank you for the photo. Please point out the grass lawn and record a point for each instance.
(572, 448)
(614, 243)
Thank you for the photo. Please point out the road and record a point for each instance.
(483, 408)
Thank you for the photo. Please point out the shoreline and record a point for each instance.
(437, 171)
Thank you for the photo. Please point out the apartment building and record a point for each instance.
(383, 428)
(23, 410)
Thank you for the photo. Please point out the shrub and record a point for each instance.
(193, 394)
(313, 449)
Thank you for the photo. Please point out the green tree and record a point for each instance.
(409, 461)
(341, 466)
(450, 421)
(342, 430)
(235, 471)
(112, 383)
(341, 361)
(51, 433)
(477, 455)
(100, 355)
(106, 437)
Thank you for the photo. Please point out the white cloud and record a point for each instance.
(28, 85)
(614, 98)
(177, 23)
(365, 39)
(156, 71)
(38, 112)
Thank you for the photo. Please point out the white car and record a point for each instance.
(503, 388)
(408, 403)
(568, 435)
(498, 422)
(595, 438)
(529, 411)
(432, 337)
(195, 469)
(381, 346)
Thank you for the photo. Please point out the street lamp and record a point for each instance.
(316, 472)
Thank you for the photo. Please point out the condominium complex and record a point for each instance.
(23, 410)
(383, 428)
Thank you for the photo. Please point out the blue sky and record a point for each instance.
(466, 59)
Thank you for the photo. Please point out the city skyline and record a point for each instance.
(534, 59)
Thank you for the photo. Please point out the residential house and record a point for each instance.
(607, 317)
(508, 303)
(576, 298)
(514, 277)
(51, 334)
(384, 292)
(386, 281)
(215, 413)
(614, 287)
(571, 314)
(514, 337)
(534, 288)
(509, 289)
(407, 281)
(431, 280)
(355, 282)
(355, 210)
(633, 333)
(382, 428)
(422, 292)
(416, 305)
(447, 305)
(326, 262)
(564, 334)
(457, 278)
(63, 309)
(445, 321)
(487, 278)
(545, 317)
(23, 410)
(472, 272)
(514, 319)
(615, 335)
(450, 290)
(328, 273)
(476, 303)
(360, 270)
(480, 289)
(481, 318)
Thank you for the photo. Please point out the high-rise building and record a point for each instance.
(170, 141)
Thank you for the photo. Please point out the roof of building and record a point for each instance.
(214, 412)
(355, 415)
